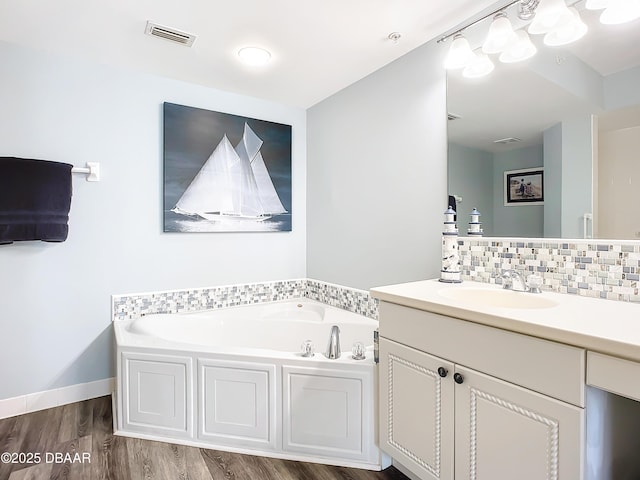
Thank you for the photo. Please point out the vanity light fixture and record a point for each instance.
(522, 50)
(479, 66)
(501, 36)
(596, 4)
(559, 23)
(618, 11)
(460, 54)
(254, 56)
(568, 33)
(550, 15)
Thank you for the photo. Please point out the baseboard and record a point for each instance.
(405, 470)
(32, 402)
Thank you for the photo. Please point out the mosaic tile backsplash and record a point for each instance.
(129, 306)
(597, 269)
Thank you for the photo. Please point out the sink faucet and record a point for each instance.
(333, 347)
(508, 277)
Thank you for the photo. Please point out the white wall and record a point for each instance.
(377, 175)
(55, 298)
(619, 175)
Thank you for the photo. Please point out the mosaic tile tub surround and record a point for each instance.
(130, 306)
(599, 269)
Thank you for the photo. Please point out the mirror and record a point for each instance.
(572, 112)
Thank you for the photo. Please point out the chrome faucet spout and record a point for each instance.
(508, 277)
(333, 347)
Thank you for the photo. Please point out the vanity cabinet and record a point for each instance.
(459, 400)
(417, 410)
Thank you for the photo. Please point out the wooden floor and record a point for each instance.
(63, 437)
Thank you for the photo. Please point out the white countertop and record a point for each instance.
(605, 326)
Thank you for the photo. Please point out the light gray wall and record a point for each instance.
(577, 174)
(470, 175)
(553, 181)
(621, 89)
(55, 298)
(568, 176)
(520, 220)
(377, 175)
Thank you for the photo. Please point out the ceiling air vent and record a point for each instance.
(508, 140)
(452, 116)
(170, 34)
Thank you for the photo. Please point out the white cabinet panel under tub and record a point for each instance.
(157, 394)
(237, 403)
(329, 413)
(306, 409)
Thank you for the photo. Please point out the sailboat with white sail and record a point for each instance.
(233, 183)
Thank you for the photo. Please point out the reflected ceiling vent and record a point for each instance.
(170, 34)
(452, 116)
(508, 140)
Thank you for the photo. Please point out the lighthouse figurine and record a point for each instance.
(475, 225)
(450, 272)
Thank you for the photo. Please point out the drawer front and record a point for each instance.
(614, 375)
(547, 367)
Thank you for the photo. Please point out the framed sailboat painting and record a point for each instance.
(225, 173)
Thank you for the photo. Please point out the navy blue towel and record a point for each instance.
(35, 198)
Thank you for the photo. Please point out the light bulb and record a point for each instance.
(460, 53)
(568, 33)
(620, 11)
(501, 35)
(522, 50)
(480, 66)
(597, 4)
(550, 14)
(254, 56)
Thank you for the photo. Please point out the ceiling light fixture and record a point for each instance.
(254, 56)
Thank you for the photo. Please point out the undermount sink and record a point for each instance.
(498, 298)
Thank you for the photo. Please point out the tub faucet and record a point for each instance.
(333, 347)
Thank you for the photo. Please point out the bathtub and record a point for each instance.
(235, 379)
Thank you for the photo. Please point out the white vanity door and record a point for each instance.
(505, 431)
(416, 410)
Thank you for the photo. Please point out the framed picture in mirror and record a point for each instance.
(524, 187)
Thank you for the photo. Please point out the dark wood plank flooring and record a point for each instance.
(64, 434)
